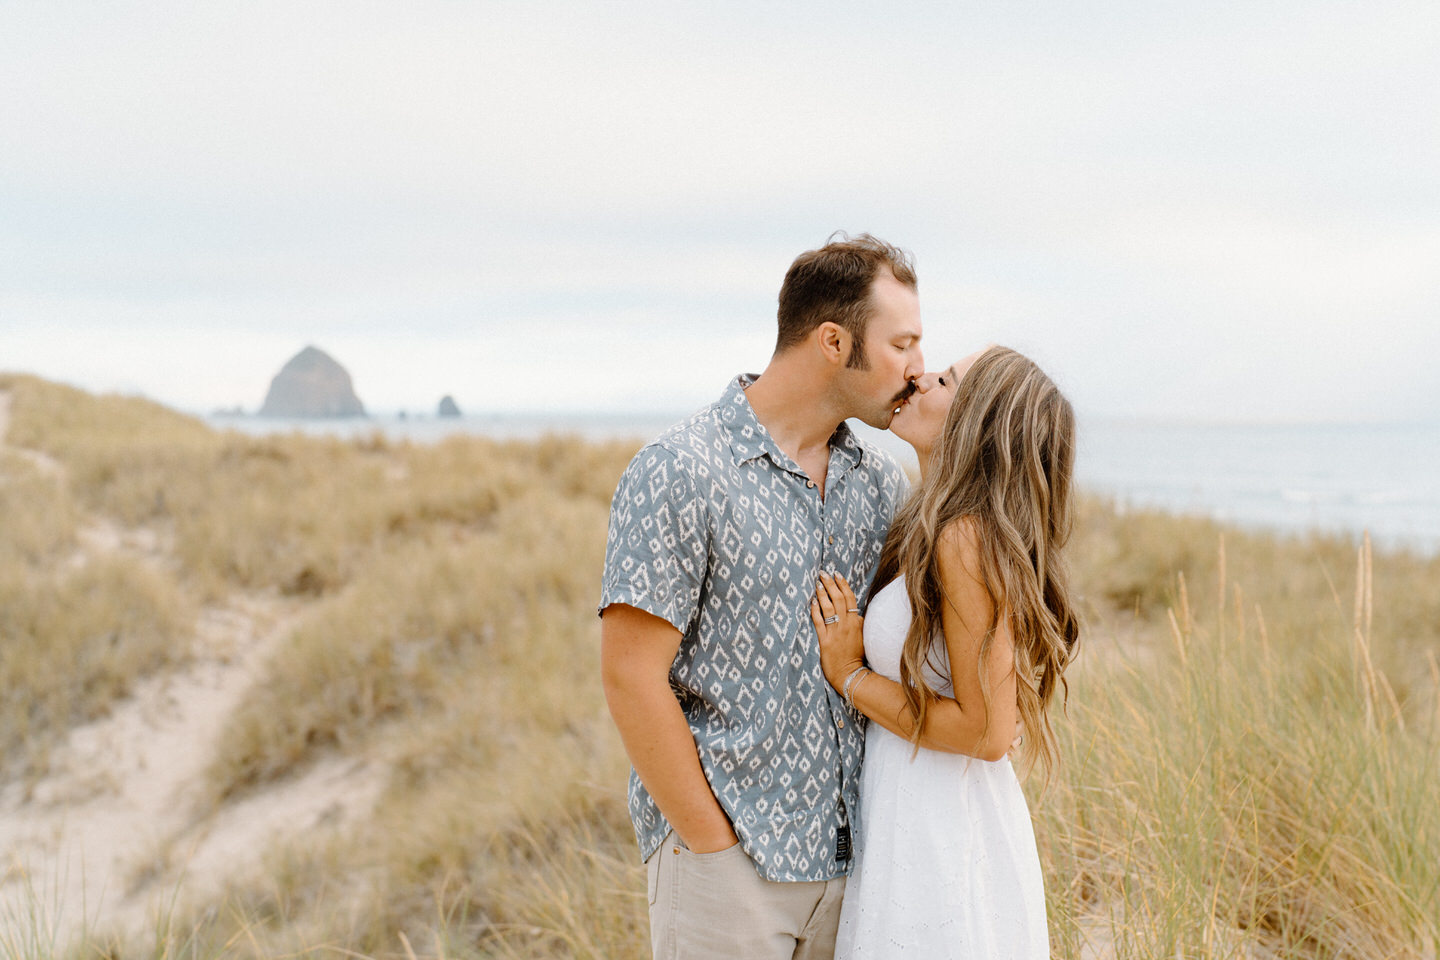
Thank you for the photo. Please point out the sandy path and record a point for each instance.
(118, 789)
(118, 823)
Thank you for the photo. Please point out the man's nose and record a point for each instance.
(916, 370)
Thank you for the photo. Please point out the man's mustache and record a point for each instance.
(910, 388)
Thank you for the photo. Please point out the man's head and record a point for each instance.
(833, 284)
(855, 299)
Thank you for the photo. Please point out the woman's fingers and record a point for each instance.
(816, 617)
(847, 596)
(822, 596)
(832, 587)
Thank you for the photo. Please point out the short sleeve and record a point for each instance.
(657, 549)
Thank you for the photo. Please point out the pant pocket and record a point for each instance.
(710, 877)
(733, 852)
(729, 911)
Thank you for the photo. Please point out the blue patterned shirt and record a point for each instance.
(716, 530)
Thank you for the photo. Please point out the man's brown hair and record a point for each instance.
(832, 284)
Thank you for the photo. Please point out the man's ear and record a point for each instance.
(835, 342)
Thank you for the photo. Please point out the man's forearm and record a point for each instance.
(662, 750)
(636, 652)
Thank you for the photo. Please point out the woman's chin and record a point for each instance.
(906, 431)
(903, 429)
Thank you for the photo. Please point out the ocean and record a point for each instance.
(1380, 478)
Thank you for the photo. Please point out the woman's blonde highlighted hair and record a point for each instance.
(1003, 461)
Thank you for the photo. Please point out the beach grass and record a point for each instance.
(77, 630)
(1250, 749)
(1231, 794)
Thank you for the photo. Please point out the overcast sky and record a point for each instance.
(1202, 211)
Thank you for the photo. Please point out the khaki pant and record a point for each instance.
(715, 906)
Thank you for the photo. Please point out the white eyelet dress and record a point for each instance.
(946, 864)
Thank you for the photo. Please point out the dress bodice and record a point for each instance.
(887, 620)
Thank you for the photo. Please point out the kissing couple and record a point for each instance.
(819, 672)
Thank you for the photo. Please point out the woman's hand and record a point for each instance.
(842, 644)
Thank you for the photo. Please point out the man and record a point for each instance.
(746, 762)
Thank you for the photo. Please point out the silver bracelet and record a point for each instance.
(856, 687)
(851, 682)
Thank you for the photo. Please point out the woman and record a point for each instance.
(965, 639)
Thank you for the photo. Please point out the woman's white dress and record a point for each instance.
(946, 864)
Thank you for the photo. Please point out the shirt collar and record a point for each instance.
(749, 438)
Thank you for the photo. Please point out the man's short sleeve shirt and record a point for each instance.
(716, 530)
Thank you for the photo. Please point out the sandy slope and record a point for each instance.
(117, 825)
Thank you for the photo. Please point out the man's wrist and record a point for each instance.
(711, 841)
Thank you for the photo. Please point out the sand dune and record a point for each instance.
(104, 838)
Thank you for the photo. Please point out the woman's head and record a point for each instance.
(921, 416)
(1007, 444)
(1002, 456)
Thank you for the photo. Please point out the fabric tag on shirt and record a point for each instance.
(842, 843)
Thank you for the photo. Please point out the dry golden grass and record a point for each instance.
(1229, 793)
(76, 644)
(1128, 566)
(1248, 767)
(76, 632)
(299, 514)
(35, 512)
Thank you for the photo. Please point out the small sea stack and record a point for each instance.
(312, 385)
(448, 407)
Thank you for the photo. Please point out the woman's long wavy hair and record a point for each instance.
(1004, 460)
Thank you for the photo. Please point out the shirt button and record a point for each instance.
(840, 724)
(809, 483)
(832, 538)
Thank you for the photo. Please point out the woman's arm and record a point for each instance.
(954, 724)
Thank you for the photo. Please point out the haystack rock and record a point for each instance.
(448, 407)
(312, 384)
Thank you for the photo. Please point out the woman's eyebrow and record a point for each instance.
(950, 372)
